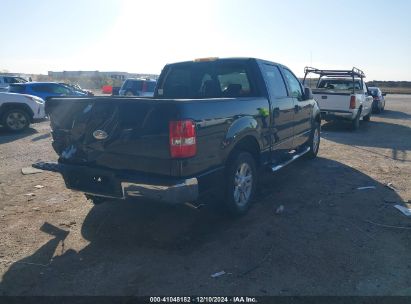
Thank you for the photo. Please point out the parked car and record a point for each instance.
(342, 95)
(6, 80)
(212, 125)
(17, 111)
(138, 87)
(44, 90)
(76, 87)
(378, 105)
(115, 91)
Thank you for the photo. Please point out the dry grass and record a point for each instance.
(396, 90)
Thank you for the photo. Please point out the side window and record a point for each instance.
(275, 81)
(40, 88)
(57, 89)
(293, 84)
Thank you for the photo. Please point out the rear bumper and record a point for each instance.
(376, 104)
(118, 185)
(181, 191)
(335, 115)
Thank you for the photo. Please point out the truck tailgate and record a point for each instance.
(116, 133)
(332, 101)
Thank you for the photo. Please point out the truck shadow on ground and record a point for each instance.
(373, 134)
(7, 136)
(326, 241)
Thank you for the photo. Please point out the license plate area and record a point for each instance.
(93, 181)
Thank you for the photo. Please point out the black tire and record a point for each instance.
(378, 109)
(367, 118)
(240, 193)
(355, 124)
(16, 120)
(314, 141)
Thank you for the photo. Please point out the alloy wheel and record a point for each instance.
(16, 121)
(243, 183)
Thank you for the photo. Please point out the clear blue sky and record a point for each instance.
(142, 36)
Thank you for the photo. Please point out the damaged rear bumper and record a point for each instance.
(120, 185)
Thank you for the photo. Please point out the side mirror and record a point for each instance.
(384, 94)
(308, 93)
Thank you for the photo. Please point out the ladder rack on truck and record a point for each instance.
(353, 73)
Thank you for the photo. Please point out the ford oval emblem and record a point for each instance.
(100, 134)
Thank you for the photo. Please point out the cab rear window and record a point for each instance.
(374, 92)
(199, 80)
(133, 85)
(339, 84)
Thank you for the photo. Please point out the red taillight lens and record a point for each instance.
(183, 142)
(352, 102)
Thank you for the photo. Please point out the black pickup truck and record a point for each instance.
(211, 125)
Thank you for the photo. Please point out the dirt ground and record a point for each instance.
(331, 238)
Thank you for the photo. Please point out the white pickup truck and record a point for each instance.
(342, 95)
(17, 111)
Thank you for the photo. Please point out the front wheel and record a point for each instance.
(16, 120)
(241, 183)
(314, 142)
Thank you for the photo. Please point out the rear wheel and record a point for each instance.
(378, 109)
(355, 124)
(16, 120)
(314, 142)
(241, 183)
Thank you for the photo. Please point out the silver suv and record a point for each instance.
(138, 87)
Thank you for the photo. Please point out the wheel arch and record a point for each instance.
(15, 105)
(247, 143)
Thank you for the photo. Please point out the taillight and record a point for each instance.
(352, 102)
(376, 98)
(183, 142)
